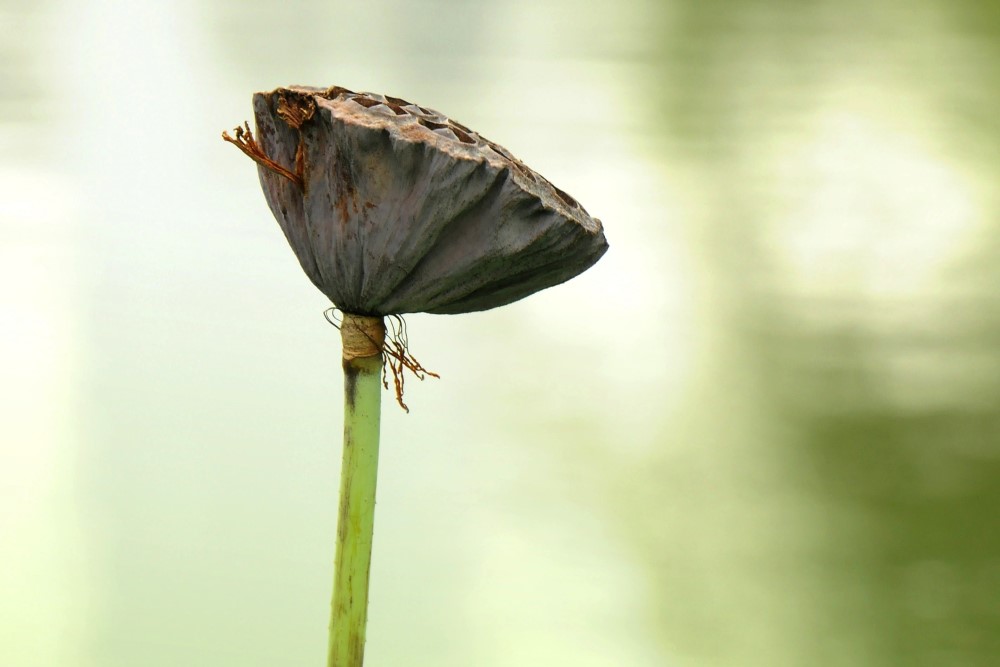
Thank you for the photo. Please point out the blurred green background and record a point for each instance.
(763, 430)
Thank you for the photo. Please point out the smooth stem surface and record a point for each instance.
(349, 609)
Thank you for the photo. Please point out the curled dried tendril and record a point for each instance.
(245, 141)
(395, 352)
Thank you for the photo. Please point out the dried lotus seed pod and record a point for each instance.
(393, 208)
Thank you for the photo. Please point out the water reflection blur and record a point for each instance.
(848, 512)
(800, 466)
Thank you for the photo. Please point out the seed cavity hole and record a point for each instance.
(366, 102)
(432, 125)
(462, 135)
(572, 203)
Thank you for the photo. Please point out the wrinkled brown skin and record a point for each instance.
(393, 217)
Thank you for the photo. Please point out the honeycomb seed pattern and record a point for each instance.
(442, 126)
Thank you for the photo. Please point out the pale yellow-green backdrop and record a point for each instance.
(763, 431)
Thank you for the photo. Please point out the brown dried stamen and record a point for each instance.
(245, 142)
(398, 356)
(295, 111)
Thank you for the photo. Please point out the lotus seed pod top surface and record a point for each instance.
(397, 208)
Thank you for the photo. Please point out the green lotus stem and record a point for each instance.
(363, 339)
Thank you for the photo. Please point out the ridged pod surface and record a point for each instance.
(394, 208)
